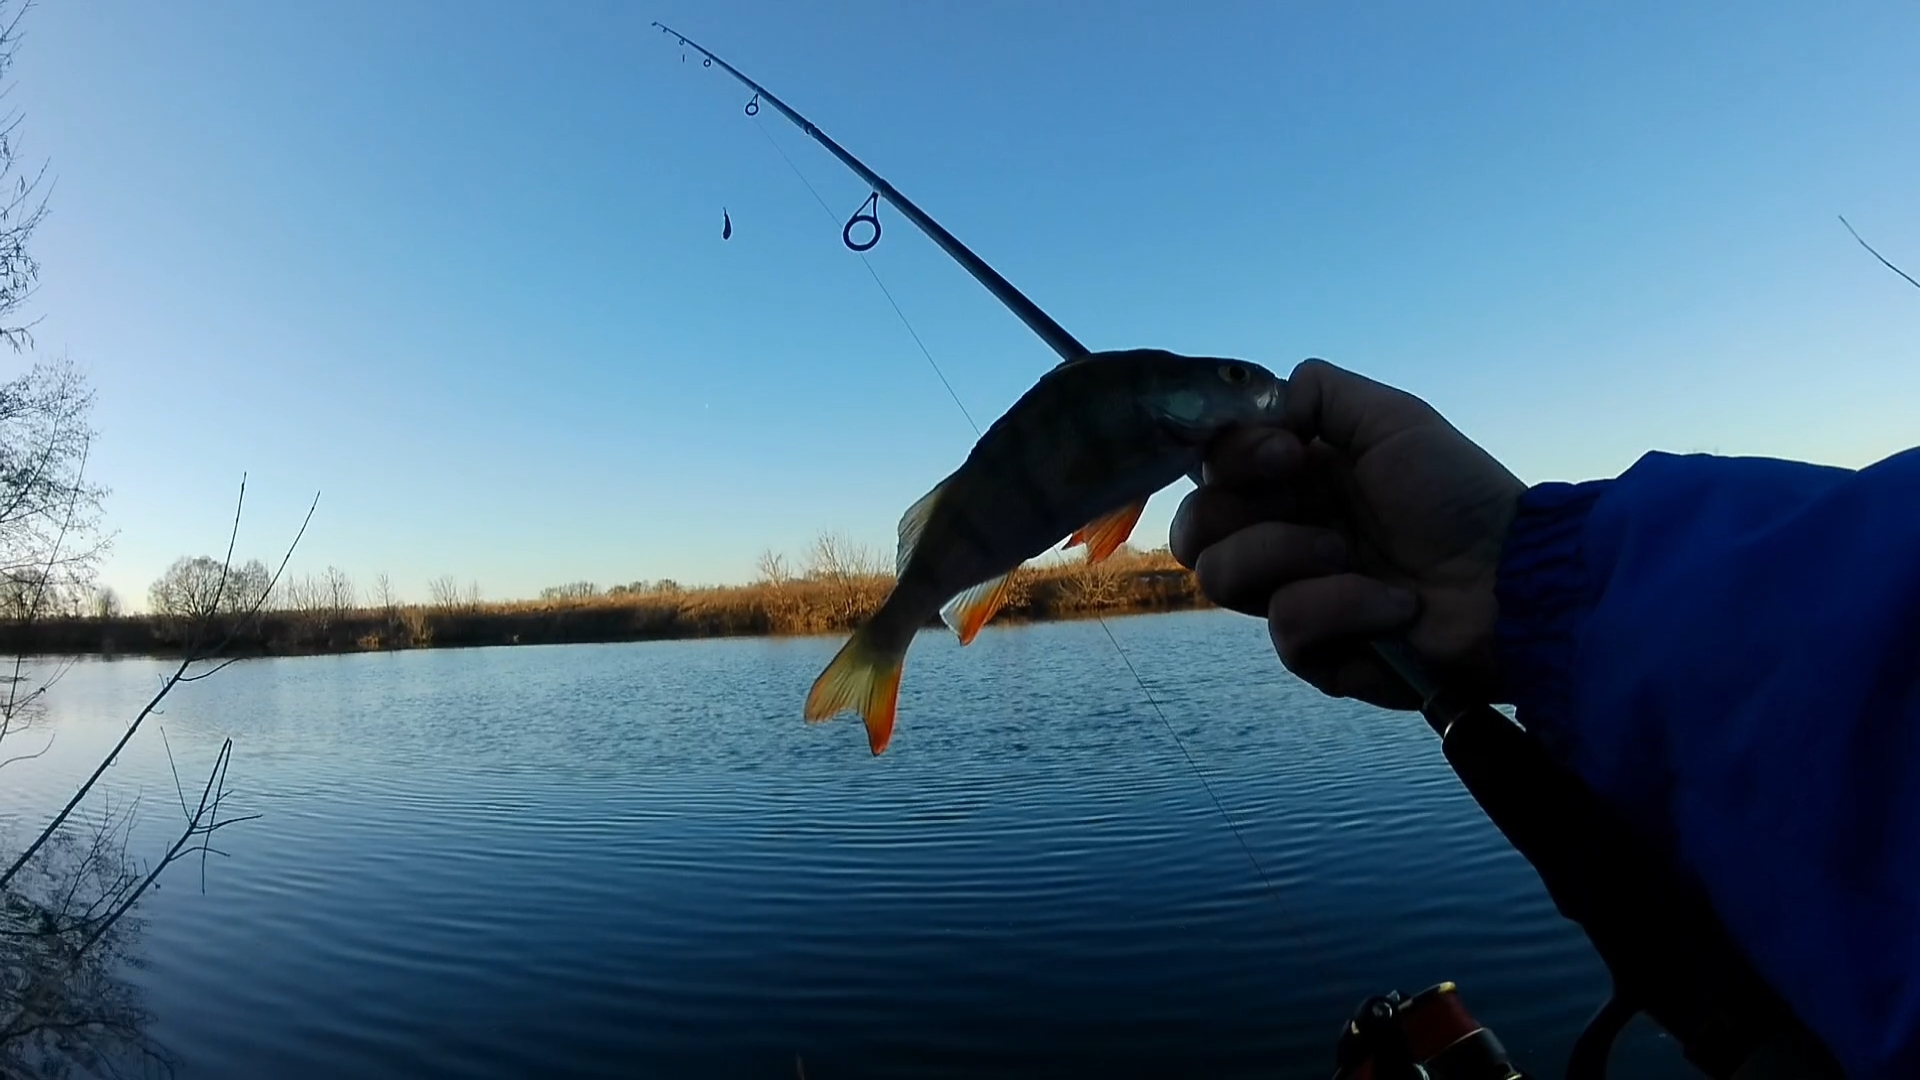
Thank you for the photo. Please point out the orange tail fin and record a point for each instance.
(860, 677)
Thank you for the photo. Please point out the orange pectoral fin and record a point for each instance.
(1103, 536)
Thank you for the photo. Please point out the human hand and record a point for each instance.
(1368, 515)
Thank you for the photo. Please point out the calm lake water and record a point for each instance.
(637, 860)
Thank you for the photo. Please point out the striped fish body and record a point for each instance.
(1077, 446)
(1080, 453)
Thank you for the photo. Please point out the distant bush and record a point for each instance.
(840, 585)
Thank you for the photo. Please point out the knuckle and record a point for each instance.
(1288, 628)
(1293, 659)
(1311, 367)
(1182, 542)
(1331, 682)
(1209, 573)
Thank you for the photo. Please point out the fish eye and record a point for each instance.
(1234, 373)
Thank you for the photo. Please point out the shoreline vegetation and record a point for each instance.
(839, 586)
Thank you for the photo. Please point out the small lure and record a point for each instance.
(726, 225)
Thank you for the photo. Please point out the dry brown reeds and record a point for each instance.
(838, 585)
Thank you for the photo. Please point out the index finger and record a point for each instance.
(1348, 411)
(1252, 457)
(1210, 514)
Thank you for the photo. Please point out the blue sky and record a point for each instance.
(458, 266)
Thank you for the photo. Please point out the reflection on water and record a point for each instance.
(637, 860)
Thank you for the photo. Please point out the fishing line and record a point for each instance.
(864, 261)
(1191, 764)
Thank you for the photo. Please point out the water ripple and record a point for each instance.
(637, 860)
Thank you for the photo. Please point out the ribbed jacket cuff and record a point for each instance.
(1544, 595)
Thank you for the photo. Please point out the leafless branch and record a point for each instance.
(65, 1004)
(212, 671)
(28, 757)
(202, 823)
(40, 588)
(1882, 258)
(179, 675)
(178, 791)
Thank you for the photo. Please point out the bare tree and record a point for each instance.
(444, 592)
(67, 898)
(247, 585)
(571, 591)
(785, 611)
(835, 557)
(50, 542)
(383, 594)
(29, 592)
(772, 568)
(204, 646)
(105, 603)
(190, 588)
(302, 594)
(50, 539)
(418, 626)
(202, 585)
(337, 590)
(22, 207)
(66, 903)
(850, 576)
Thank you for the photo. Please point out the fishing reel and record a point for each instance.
(1429, 1036)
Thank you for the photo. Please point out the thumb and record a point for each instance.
(1349, 412)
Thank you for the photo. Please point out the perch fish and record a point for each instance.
(1081, 452)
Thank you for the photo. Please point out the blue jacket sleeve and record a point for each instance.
(1728, 649)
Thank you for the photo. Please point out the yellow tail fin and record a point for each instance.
(864, 678)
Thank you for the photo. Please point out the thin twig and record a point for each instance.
(177, 790)
(212, 671)
(179, 675)
(253, 612)
(198, 825)
(1882, 258)
(29, 757)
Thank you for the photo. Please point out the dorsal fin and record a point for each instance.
(912, 524)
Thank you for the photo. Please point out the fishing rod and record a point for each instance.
(1666, 949)
(1029, 312)
(1393, 652)
(1066, 345)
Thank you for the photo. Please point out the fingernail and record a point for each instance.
(1403, 601)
